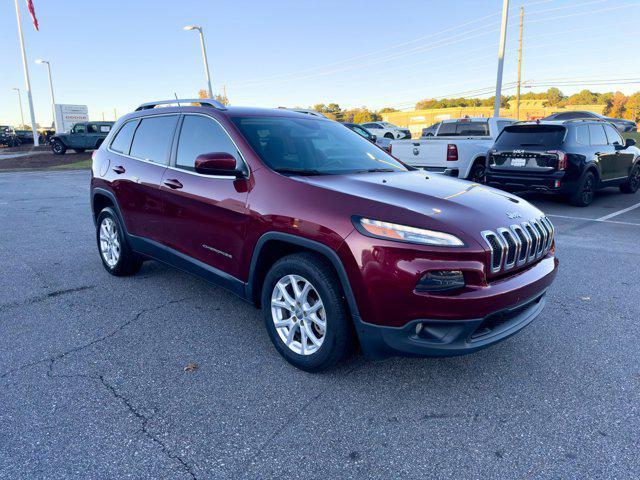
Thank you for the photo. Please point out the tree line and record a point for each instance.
(616, 104)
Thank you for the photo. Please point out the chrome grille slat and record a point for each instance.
(517, 245)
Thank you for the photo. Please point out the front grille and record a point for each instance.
(518, 244)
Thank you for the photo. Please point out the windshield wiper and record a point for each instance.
(376, 170)
(298, 171)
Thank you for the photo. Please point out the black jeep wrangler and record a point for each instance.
(83, 136)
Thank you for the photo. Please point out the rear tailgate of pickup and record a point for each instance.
(426, 154)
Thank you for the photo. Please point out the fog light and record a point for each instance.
(441, 281)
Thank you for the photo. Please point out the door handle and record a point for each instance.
(173, 183)
(119, 169)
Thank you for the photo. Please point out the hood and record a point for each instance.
(424, 199)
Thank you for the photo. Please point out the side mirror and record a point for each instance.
(617, 146)
(218, 163)
(374, 138)
(629, 142)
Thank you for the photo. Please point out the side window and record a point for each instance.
(447, 129)
(613, 135)
(597, 135)
(92, 129)
(201, 135)
(153, 137)
(472, 129)
(122, 141)
(361, 131)
(79, 128)
(582, 134)
(105, 128)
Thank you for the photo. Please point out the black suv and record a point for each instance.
(574, 157)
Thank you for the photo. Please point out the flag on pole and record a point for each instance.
(32, 11)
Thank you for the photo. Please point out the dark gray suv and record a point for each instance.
(621, 124)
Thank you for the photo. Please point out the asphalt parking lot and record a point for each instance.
(92, 379)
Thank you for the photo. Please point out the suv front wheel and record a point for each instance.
(305, 313)
(632, 183)
(116, 255)
(58, 147)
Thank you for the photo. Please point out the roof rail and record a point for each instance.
(203, 102)
(586, 120)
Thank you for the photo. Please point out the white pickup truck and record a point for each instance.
(458, 148)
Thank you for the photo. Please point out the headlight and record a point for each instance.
(403, 233)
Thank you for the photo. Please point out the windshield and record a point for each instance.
(308, 146)
(387, 124)
(530, 135)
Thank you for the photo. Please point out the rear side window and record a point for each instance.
(613, 135)
(597, 135)
(531, 135)
(447, 129)
(153, 137)
(200, 135)
(122, 142)
(476, 129)
(582, 134)
(105, 128)
(92, 129)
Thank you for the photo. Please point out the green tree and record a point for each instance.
(554, 97)
(585, 97)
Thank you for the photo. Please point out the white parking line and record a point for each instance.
(619, 212)
(584, 219)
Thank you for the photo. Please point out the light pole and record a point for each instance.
(503, 36)
(204, 55)
(27, 82)
(20, 103)
(53, 99)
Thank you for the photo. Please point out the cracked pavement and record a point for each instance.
(92, 382)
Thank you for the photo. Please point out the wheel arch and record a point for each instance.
(479, 157)
(593, 168)
(272, 246)
(59, 138)
(101, 198)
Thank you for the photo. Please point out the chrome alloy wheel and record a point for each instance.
(109, 242)
(298, 314)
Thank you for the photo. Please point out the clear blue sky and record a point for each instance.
(117, 54)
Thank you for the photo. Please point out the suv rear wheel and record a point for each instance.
(632, 183)
(305, 313)
(116, 255)
(58, 147)
(585, 192)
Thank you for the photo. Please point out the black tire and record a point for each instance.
(128, 262)
(389, 135)
(338, 340)
(632, 183)
(478, 172)
(80, 150)
(58, 148)
(585, 193)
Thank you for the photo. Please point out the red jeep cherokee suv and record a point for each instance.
(338, 242)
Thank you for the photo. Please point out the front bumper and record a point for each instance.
(445, 338)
